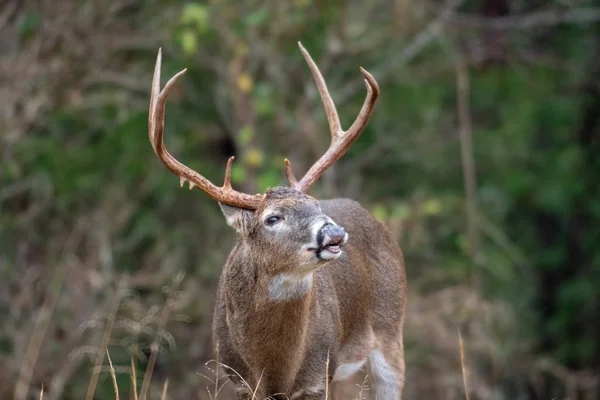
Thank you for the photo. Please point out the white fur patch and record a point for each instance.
(385, 383)
(237, 218)
(315, 228)
(345, 371)
(289, 286)
(231, 219)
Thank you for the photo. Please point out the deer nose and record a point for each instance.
(331, 235)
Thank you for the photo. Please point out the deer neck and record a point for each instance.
(270, 316)
(272, 303)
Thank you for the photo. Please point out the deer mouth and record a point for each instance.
(330, 251)
(331, 238)
(334, 246)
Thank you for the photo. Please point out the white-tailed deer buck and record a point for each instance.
(309, 283)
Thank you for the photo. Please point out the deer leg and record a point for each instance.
(243, 393)
(234, 367)
(386, 374)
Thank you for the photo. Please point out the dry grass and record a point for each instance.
(160, 333)
(216, 381)
(363, 387)
(45, 315)
(219, 380)
(103, 348)
(463, 364)
(164, 391)
(113, 375)
(36, 343)
(431, 322)
(134, 378)
(443, 366)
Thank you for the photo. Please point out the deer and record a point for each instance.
(313, 291)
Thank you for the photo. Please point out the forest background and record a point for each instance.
(482, 156)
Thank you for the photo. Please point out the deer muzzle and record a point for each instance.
(330, 239)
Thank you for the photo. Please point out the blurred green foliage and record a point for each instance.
(536, 133)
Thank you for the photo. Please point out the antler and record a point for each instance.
(340, 140)
(156, 122)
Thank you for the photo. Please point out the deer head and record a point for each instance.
(286, 223)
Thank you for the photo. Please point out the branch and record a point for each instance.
(463, 99)
(528, 21)
(434, 29)
(408, 53)
(8, 13)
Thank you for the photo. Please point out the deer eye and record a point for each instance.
(272, 220)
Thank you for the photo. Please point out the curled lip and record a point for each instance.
(330, 247)
(334, 248)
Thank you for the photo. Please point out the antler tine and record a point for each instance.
(367, 109)
(156, 121)
(227, 180)
(290, 174)
(330, 110)
(340, 140)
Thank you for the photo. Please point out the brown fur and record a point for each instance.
(356, 303)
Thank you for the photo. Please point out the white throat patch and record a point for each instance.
(289, 286)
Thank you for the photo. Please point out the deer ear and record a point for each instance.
(239, 218)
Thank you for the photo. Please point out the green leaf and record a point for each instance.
(189, 42)
(197, 15)
(254, 157)
(432, 207)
